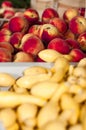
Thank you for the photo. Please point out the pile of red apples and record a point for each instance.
(25, 34)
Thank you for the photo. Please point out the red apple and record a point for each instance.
(8, 13)
(34, 29)
(82, 41)
(59, 45)
(78, 25)
(5, 31)
(48, 14)
(72, 43)
(48, 32)
(31, 44)
(68, 34)
(4, 38)
(82, 11)
(60, 24)
(5, 35)
(23, 57)
(7, 46)
(31, 15)
(18, 24)
(6, 4)
(15, 40)
(70, 13)
(5, 55)
(5, 25)
(77, 55)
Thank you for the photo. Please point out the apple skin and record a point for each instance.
(8, 13)
(70, 13)
(18, 24)
(7, 46)
(72, 43)
(60, 24)
(15, 40)
(77, 25)
(82, 41)
(31, 15)
(48, 32)
(31, 44)
(5, 25)
(69, 35)
(59, 45)
(35, 29)
(82, 11)
(6, 4)
(5, 55)
(77, 55)
(48, 14)
(5, 31)
(5, 35)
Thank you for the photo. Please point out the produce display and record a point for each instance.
(24, 34)
(45, 98)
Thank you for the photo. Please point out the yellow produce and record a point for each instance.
(76, 127)
(68, 103)
(6, 79)
(27, 81)
(34, 70)
(26, 111)
(47, 113)
(45, 98)
(44, 89)
(12, 99)
(8, 117)
(49, 55)
(54, 125)
(15, 126)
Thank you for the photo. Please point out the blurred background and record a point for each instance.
(19, 3)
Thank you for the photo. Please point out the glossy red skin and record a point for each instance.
(49, 13)
(82, 41)
(15, 40)
(60, 24)
(31, 15)
(82, 11)
(18, 24)
(32, 45)
(69, 14)
(46, 37)
(4, 38)
(5, 31)
(59, 45)
(7, 45)
(6, 3)
(47, 32)
(77, 55)
(5, 25)
(76, 25)
(8, 14)
(5, 55)
(34, 29)
(72, 43)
